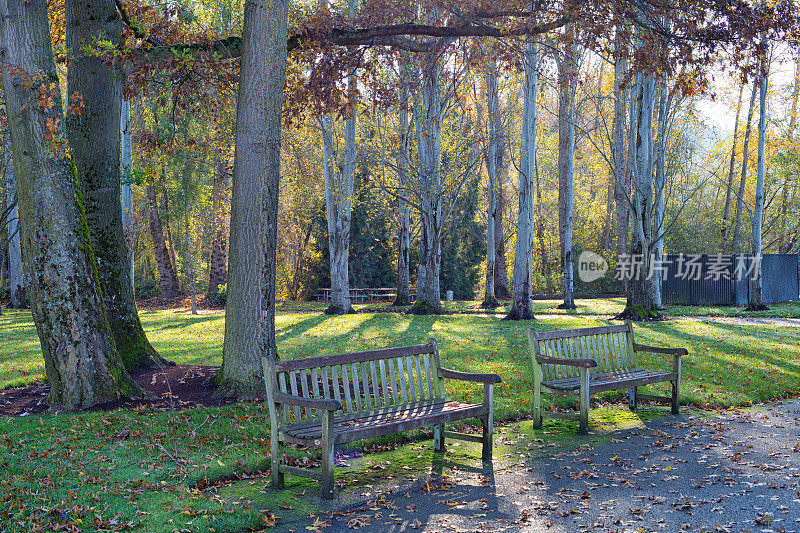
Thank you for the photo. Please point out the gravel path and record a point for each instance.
(735, 471)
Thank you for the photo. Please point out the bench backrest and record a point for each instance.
(610, 346)
(362, 381)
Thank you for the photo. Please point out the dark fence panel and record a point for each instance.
(718, 283)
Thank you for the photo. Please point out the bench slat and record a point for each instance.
(425, 360)
(348, 402)
(384, 385)
(347, 358)
(393, 381)
(580, 332)
(337, 393)
(367, 394)
(401, 376)
(411, 384)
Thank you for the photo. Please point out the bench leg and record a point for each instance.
(537, 407)
(327, 455)
(676, 401)
(276, 476)
(632, 399)
(583, 423)
(487, 422)
(438, 438)
(676, 385)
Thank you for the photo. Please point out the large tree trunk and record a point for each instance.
(493, 112)
(642, 290)
(620, 162)
(567, 72)
(218, 262)
(15, 286)
(726, 211)
(403, 294)
(522, 306)
(94, 138)
(82, 364)
(168, 278)
(737, 230)
(756, 284)
(250, 322)
(429, 148)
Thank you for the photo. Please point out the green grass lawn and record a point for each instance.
(111, 469)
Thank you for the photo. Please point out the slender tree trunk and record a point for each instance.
(659, 205)
(250, 322)
(15, 287)
(567, 72)
(545, 267)
(737, 230)
(500, 263)
(729, 189)
(403, 295)
(168, 278)
(787, 185)
(620, 170)
(493, 111)
(125, 126)
(82, 364)
(756, 284)
(522, 307)
(218, 262)
(94, 138)
(170, 240)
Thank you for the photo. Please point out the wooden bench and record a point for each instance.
(324, 401)
(581, 362)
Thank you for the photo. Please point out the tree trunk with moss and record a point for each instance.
(81, 361)
(94, 139)
(250, 320)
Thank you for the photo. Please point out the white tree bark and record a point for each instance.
(659, 184)
(620, 170)
(737, 230)
(756, 284)
(16, 287)
(522, 306)
(567, 72)
(429, 150)
(403, 295)
(127, 186)
(493, 112)
(642, 289)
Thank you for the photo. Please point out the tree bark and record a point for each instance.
(429, 151)
(500, 264)
(218, 262)
(82, 364)
(729, 189)
(620, 170)
(783, 243)
(250, 322)
(94, 138)
(567, 72)
(168, 278)
(522, 307)
(15, 286)
(756, 284)
(659, 204)
(737, 230)
(126, 184)
(493, 112)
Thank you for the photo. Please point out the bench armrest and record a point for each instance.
(582, 363)
(310, 403)
(680, 352)
(466, 376)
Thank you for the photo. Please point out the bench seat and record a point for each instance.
(613, 380)
(385, 421)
